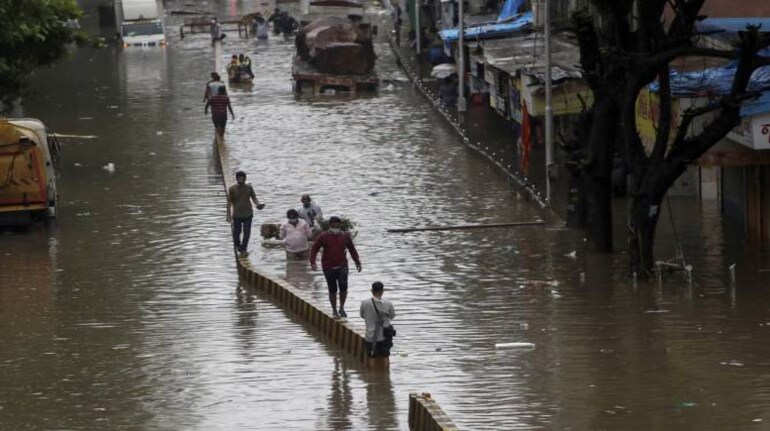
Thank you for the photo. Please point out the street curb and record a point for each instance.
(528, 188)
(341, 334)
(426, 415)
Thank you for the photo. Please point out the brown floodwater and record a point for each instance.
(129, 313)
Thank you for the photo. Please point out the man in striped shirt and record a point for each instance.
(219, 104)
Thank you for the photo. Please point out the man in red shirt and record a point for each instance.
(220, 104)
(334, 262)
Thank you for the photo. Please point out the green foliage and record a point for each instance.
(33, 33)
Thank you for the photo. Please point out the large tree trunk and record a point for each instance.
(598, 193)
(642, 224)
(645, 212)
(598, 177)
(574, 146)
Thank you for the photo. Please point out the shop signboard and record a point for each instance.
(648, 116)
(753, 132)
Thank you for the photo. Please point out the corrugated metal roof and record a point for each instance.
(526, 54)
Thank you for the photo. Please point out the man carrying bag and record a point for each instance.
(377, 313)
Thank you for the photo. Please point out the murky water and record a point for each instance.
(129, 313)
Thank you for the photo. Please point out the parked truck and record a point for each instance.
(29, 161)
(334, 49)
(139, 23)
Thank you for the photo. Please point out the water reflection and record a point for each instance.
(341, 398)
(298, 272)
(381, 400)
(245, 323)
(143, 73)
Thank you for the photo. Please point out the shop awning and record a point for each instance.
(730, 154)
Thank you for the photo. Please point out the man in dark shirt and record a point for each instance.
(219, 104)
(334, 262)
(239, 197)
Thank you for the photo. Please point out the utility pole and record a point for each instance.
(418, 30)
(549, 166)
(461, 59)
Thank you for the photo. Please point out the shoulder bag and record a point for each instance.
(387, 332)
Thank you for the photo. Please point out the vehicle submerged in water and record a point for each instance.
(335, 49)
(29, 159)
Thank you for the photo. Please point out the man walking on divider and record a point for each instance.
(334, 262)
(219, 104)
(239, 197)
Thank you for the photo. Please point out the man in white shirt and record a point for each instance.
(295, 233)
(310, 212)
(377, 313)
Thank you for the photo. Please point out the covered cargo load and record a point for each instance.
(337, 45)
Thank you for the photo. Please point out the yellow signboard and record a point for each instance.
(648, 116)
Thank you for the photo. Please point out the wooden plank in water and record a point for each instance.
(467, 226)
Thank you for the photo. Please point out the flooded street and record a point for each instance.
(129, 314)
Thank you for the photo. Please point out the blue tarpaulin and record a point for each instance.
(510, 10)
(717, 81)
(733, 25)
(491, 30)
(760, 105)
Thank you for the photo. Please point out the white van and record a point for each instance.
(139, 23)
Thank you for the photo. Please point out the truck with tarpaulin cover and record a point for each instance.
(334, 49)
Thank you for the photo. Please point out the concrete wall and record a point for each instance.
(736, 8)
(426, 415)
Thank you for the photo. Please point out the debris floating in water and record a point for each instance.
(66, 136)
(109, 167)
(463, 227)
(515, 345)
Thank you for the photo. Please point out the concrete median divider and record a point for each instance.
(340, 333)
(426, 415)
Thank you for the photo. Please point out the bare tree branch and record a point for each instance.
(664, 131)
(686, 15)
(693, 147)
(666, 57)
